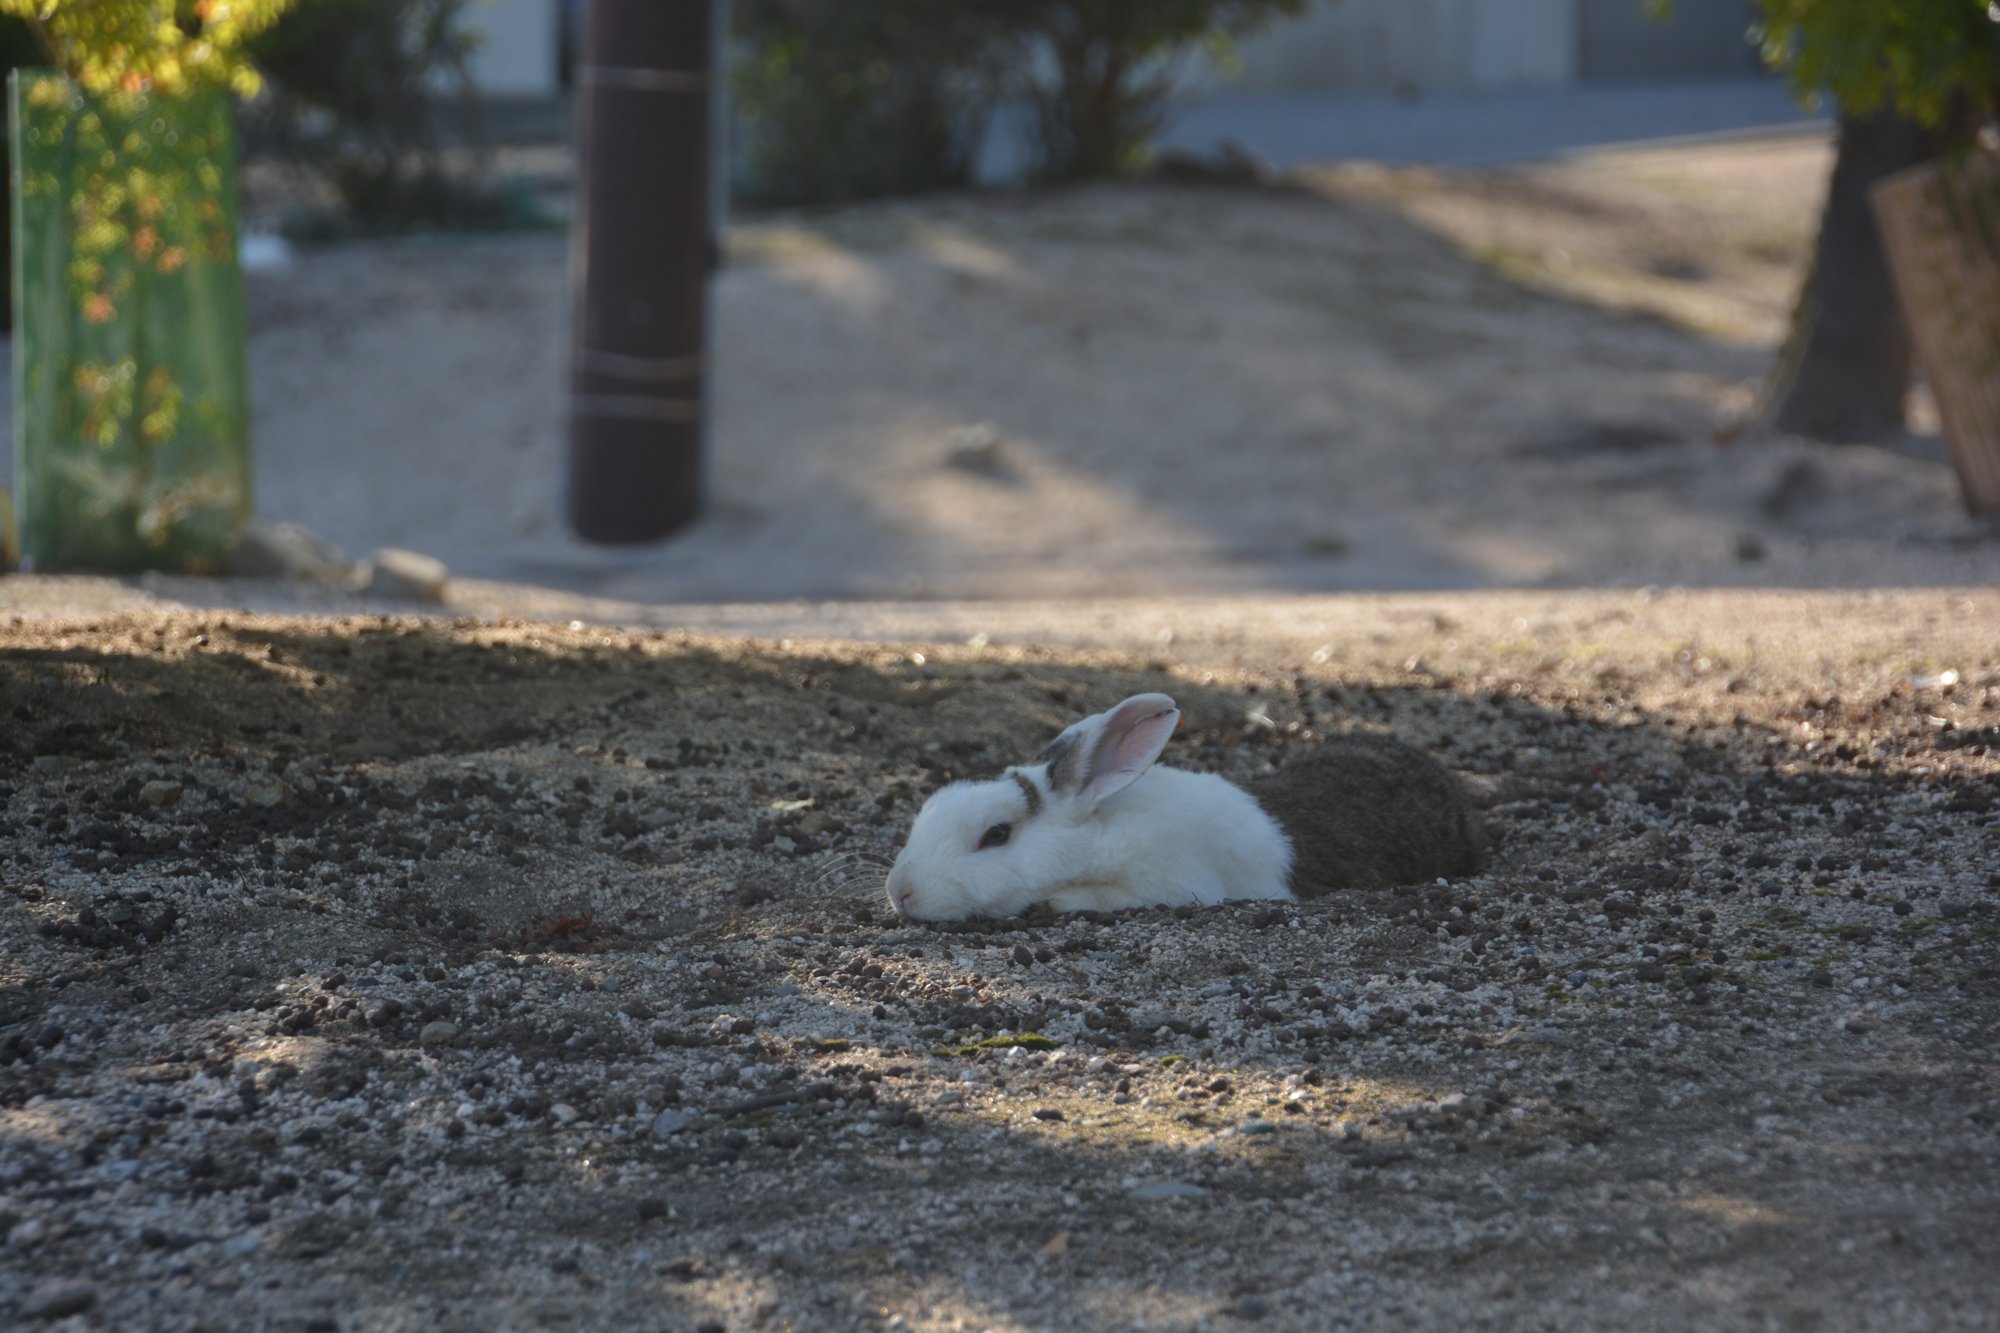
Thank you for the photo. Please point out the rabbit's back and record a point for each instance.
(1371, 811)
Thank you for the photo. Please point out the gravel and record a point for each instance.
(520, 1008)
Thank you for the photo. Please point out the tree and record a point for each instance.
(1913, 78)
(163, 46)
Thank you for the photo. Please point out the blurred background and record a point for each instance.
(1083, 297)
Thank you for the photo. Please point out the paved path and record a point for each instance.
(1471, 128)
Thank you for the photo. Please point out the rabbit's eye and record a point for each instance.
(995, 836)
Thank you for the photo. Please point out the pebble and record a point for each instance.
(59, 1298)
(161, 792)
(671, 1122)
(406, 575)
(1256, 1127)
(1168, 1189)
(565, 1114)
(260, 790)
(286, 551)
(439, 1033)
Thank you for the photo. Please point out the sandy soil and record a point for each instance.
(380, 974)
(1379, 379)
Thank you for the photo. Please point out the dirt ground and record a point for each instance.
(1387, 379)
(370, 973)
(508, 970)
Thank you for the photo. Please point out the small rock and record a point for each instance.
(287, 551)
(976, 448)
(381, 1012)
(59, 1298)
(313, 1237)
(652, 1209)
(161, 792)
(1168, 1189)
(671, 1122)
(406, 575)
(1247, 1307)
(1047, 1112)
(1256, 1127)
(564, 1114)
(439, 1033)
(261, 790)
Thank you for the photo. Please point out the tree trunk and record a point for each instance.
(1844, 371)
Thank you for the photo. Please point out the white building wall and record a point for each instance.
(1429, 46)
(516, 54)
(1375, 46)
(1520, 43)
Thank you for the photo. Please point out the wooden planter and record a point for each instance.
(1941, 228)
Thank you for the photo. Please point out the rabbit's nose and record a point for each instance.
(900, 894)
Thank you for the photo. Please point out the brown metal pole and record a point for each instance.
(640, 250)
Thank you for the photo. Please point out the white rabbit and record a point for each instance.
(1090, 824)
(1093, 823)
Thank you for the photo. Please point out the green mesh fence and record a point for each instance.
(131, 416)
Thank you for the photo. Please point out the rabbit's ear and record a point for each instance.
(1104, 754)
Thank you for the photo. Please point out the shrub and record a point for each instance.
(838, 100)
(1115, 65)
(360, 91)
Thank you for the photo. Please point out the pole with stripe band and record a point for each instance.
(641, 249)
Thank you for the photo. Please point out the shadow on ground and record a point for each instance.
(374, 974)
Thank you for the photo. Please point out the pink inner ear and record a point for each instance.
(1137, 747)
(1132, 737)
